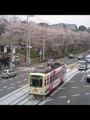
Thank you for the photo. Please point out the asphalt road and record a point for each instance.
(11, 84)
(75, 92)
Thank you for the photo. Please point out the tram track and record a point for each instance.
(21, 97)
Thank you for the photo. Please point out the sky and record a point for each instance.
(55, 19)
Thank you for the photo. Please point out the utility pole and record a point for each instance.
(44, 47)
(28, 42)
(11, 60)
(27, 57)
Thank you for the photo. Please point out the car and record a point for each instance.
(71, 56)
(80, 57)
(88, 65)
(51, 62)
(88, 58)
(8, 73)
(82, 65)
(88, 75)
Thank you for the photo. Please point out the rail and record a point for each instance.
(21, 96)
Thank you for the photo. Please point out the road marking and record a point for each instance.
(87, 93)
(76, 95)
(74, 87)
(10, 87)
(68, 101)
(86, 86)
(5, 86)
(69, 77)
(24, 79)
(18, 81)
(4, 81)
(62, 97)
(83, 77)
(12, 84)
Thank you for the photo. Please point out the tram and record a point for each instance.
(44, 79)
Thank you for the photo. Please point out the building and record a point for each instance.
(63, 25)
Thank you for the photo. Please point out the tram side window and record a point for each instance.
(52, 78)
(45, 82)
(56, 75)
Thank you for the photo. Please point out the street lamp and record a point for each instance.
(28, 42)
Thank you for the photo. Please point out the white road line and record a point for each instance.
(83, 77)
(74, 87)
(86, 86)
(5, 86)
(24, 79)
(68, 101)
(76, 95)
(4, 81)
(10, 87)
(18, 81)
(68, 79)
(12, 84)
(62, 97)
(87, 93)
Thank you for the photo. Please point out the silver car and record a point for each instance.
(8, 73)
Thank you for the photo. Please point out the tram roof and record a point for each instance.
(45, 69)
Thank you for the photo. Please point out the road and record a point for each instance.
(75, 92)
(11, 84)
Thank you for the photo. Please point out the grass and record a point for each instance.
(33, 53)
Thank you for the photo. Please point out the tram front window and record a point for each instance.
(36, 82)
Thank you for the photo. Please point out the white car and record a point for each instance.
(8, 73)
(88, 75)
(71, 56)
(88, 58)
(82, 65)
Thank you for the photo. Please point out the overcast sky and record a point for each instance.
(54, 19)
